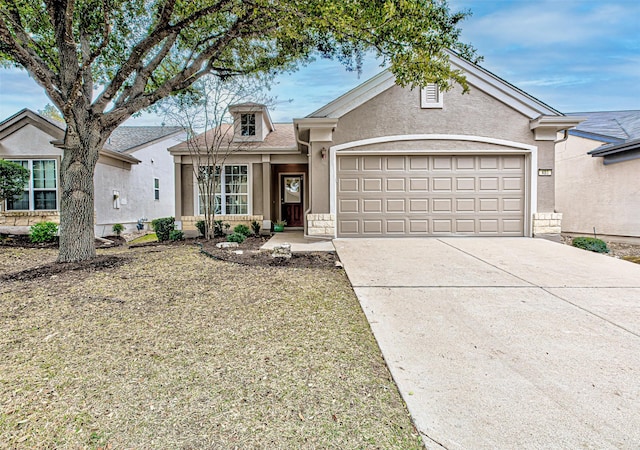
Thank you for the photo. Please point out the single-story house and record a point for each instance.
(598, 170)
(383, 160)
(133, 179)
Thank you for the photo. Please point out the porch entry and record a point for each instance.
(292, 199)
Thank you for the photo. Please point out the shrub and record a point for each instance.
(219, 228)
(242, 229)
(117, 228)
(43, 232)
(236, 237)
(163, 227)
(201, 225)
(255, 226)
(591, 244)
(176, 235)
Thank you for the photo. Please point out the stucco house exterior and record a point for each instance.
(133, 179)
(383, 160)
(598, 170)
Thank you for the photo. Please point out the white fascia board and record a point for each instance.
(357, 96)
(545, 128)
(501, 90)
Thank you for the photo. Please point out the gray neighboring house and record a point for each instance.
(385, 161)
(598, 175)
(134, 177)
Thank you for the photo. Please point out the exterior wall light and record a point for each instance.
(323, 153)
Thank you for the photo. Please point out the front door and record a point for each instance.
(292, 200)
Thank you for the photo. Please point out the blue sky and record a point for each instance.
(575, 55)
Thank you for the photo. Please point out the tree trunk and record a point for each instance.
(81, 149)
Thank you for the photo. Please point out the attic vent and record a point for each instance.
(430, 96)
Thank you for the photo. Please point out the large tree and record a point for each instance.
(101, 61)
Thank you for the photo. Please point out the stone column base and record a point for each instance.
(321, 225)
(547, 223)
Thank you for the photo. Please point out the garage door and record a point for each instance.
(418, 195)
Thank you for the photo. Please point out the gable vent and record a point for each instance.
(430, 96)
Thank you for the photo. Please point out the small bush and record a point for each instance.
(163, 227)
(242, 229)
(43, 232)
(176, 235)
(255, 226)
(219, 228)
(591, 244)
(201, 225)
(236, 237)
(117, 228)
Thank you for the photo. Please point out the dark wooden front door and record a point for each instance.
(292, 199)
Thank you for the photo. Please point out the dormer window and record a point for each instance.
(248, 124)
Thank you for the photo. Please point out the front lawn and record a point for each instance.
(170, 349)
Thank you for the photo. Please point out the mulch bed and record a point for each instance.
(248, 253)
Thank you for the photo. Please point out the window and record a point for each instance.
(430, 96)
(41, 191)
(156, 188)
(248, 124)
(232, 190)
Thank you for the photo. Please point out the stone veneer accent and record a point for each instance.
(189, 222)
(27, 218)
(321, 225)
(547, 223)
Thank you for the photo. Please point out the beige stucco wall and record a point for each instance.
(133, 182)
(397, 111)
(590, 194)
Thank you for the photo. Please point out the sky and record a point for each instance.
(574, 55)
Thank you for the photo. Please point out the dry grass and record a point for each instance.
(175, 350)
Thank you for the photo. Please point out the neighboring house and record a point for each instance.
(598, 175)
(383, 160)
(133, 178)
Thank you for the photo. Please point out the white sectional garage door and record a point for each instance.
(418, 195)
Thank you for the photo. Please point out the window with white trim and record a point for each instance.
(156, 188)
(41, 191)
(247, 124)
(232, 190)
(430, 96)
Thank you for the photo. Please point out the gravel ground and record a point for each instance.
(163, 347)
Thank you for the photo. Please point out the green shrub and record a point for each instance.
(219, 228)
(242, 229)
(255, 226)
(201, 225)
(591, 244)
(43, 232)
(163, 227)
(117, 228)
(176, 235)
(236, 237)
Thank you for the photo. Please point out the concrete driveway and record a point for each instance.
(505, 342)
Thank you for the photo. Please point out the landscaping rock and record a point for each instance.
(282, 251)
(226, 244)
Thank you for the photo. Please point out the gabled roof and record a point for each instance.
(252, 107)
(476, 76)
(619, 130)
(282, 138)
(128, 139)
(122, 141)
(609, 126)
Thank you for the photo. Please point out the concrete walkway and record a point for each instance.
(505, 343)
(299, 243)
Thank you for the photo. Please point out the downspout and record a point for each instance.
(308, 144)
(566, 136)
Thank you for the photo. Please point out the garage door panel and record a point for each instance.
(372, 185)
(418, 195)
(396, 185)
(396, 226)
(372, 205)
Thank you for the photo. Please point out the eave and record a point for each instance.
(546, 128)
